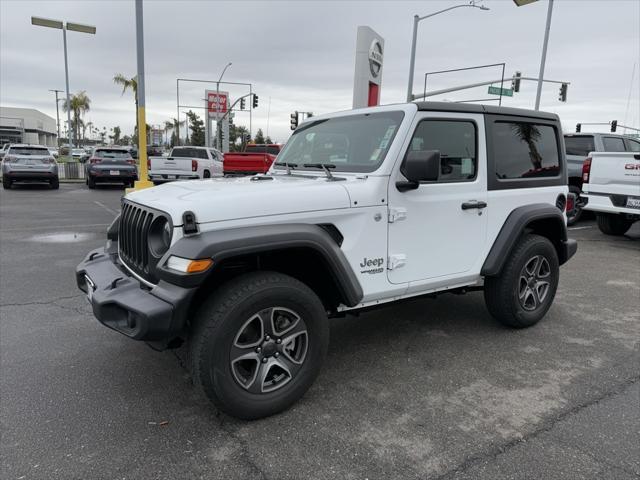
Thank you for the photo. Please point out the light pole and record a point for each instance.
(416, 20)
(545, 42)
(76, 27)
(57, 113)
(218, 129)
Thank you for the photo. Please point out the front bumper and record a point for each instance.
(568, 249)
(122, 303)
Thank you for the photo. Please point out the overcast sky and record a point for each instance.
(299, 55)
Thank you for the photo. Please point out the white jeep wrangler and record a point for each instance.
(362, 208)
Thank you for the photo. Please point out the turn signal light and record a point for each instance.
(186, 265)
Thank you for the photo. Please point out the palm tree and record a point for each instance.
(176, 126)
(79, 104)
(128, 83)
(530, 134)
(88, 125)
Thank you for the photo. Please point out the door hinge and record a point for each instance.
(396, 261)
(397, 214)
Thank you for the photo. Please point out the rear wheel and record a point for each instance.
(206, 174)
(523, 292)
(258, 344)
(91, 182)
(6, 183)
(613, 224)
(54, 184)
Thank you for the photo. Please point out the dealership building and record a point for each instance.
(27, 125)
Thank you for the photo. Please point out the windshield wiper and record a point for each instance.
(323, 166)
(288, 165)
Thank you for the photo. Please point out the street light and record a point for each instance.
(520, 3)
(76, 27)
(416, 20)
(218, 129)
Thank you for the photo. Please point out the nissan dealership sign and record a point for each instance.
(367, 80)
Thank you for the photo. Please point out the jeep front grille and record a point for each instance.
(133, 237)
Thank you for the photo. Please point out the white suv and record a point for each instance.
(362, 208)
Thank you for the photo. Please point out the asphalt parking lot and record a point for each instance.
(430, 389)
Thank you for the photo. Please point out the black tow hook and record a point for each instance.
(114, 284)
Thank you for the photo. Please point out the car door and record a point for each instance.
(437, 231)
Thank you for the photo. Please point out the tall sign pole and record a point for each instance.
(70, 129)
(544, 54)
(143, 176)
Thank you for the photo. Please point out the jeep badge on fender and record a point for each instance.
(249, 281)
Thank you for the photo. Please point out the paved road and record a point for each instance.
(431, 389)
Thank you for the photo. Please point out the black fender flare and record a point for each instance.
(220, 245)
(520, 219)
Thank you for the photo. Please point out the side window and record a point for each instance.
(613, 144)
(456, 141)
(632, 145)
(525, 150)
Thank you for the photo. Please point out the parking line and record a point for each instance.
(54, 227)
(100, 204)
(580, 228)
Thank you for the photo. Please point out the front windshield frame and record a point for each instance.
(383, 140)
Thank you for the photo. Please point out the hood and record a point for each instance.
(219, 199)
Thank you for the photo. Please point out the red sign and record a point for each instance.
(217, 103)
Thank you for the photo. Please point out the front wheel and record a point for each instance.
(259, 344)
(6, 183)
(54, 184)
(523, 292)
(613, 223)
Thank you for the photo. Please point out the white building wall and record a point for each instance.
(39, 128)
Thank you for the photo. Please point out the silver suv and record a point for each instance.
(29, 163)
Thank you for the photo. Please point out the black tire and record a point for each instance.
(574, 216)
(54, 184)
(206, 174)
(233, 311)
(613, 223)
(91, 182)
(6, 183)
(506, 295)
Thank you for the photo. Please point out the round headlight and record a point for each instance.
(160, 236)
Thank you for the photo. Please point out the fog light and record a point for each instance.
(186, 265)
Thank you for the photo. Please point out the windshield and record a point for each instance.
(28, 151)
(355, 143)
(112, 154)
(78, 151)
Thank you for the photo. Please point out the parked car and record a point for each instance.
(256, 158)
(578, 146)
(186, 163)
(77, 154)
(4, 149)
(110, 165)
(54, 152)
(29, 163)
(364, 208)
(611, 189)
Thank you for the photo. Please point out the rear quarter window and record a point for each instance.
(613, 144)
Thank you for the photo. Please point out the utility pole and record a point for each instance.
(57, 114)
(544, 54)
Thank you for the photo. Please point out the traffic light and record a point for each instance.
(578, 127)
(294, 120)
(614, 125)
(515, 82)
(242, 103)
(255, 101)
(562, 96)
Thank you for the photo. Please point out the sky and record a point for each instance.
(300, 55)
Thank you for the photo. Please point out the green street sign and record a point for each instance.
(505, 92)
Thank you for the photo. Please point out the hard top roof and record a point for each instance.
(478, 108)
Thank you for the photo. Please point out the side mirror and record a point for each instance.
(419, 166)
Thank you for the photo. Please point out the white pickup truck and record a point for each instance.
(186, 163)
(611, 188)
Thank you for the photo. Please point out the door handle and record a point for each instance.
(473, 204)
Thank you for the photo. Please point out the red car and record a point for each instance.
(256, 158)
